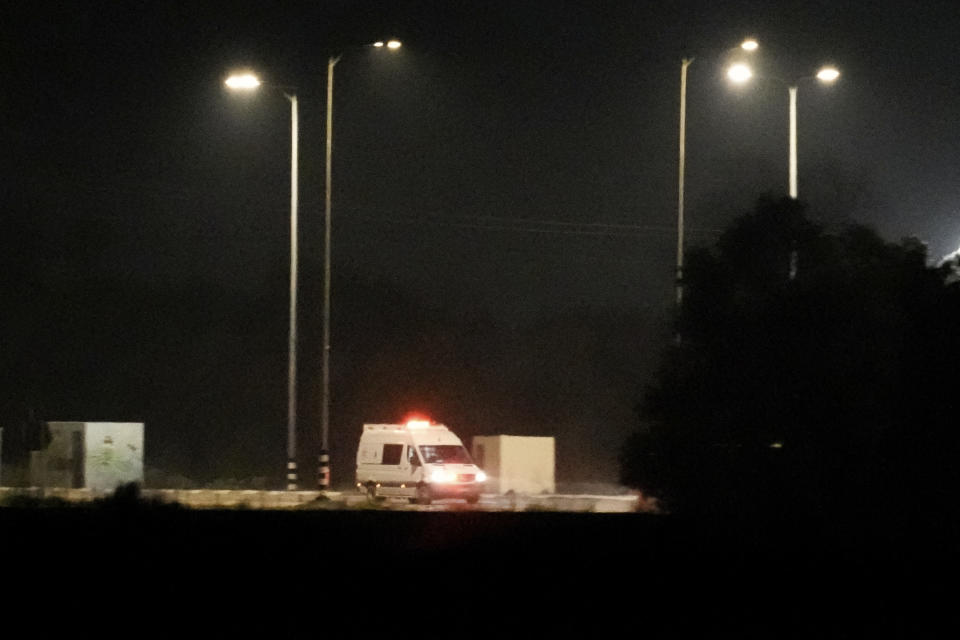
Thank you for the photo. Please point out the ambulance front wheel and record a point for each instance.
(423, 494)
(372, 493)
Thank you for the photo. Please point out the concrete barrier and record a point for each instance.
(555, 502)
(261, 499)
(250, 498)
(70, 495)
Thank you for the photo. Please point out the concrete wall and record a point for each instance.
(522, 464)
(59, 464)
(113, 453)
(89, 455)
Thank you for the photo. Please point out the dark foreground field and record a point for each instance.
(293, 573)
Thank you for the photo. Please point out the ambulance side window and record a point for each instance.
(392, 453)
(412, 457)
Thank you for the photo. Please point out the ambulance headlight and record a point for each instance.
(481, 476)
(441, 475)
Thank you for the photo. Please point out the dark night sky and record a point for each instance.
(513, 159)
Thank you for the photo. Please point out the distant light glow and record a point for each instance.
(378, 43)
(394, 44)
(776, 445)
(739, 73)
(951, 256)
(749, 45)
(828, 74)
(242, 81)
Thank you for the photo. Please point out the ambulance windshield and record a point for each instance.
(445, 454)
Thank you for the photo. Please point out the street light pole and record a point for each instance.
(793, 141)
(323, 467)
(249, 82)
(682, 167)
(748, 45)
(294, 260)
(826, 75)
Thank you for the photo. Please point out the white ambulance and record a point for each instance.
(416, 460)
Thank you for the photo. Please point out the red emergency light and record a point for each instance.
(416, 421)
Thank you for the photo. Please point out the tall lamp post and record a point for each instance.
(248, 82)
(748, 45)
(323, 468)
(826, 75)
(741, 73)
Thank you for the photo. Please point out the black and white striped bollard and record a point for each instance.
(291, 475)
(323, 471)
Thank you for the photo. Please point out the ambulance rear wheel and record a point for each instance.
(423, 495)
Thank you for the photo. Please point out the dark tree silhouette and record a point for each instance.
(813, 375)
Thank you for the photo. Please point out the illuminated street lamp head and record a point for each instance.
(242, 81)
(749, 45)
(739, 73)
(828, 74)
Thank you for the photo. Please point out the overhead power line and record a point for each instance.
(529, 225)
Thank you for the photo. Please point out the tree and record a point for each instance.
(813, 375)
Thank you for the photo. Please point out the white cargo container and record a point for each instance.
(90, 455)
(522, 464)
